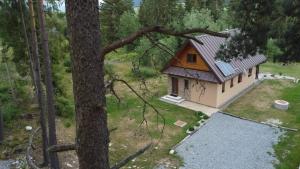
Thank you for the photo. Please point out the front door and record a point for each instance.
(257, 72)
(174, 86)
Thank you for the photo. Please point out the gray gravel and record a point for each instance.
(5, 164)
(226, 142)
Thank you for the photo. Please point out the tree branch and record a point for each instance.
(131, 157)
(61, 148)
(68, 147)
(158, 29)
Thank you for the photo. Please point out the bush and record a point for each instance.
(67, 124)
(205, 117)
(191, 129)
(199, 115)
(65, 107)
(10, 112)
(144, 72)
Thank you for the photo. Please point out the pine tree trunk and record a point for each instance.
(37, 75)
(1, 126)
(54, 163)
(27, 42)
(88, 84)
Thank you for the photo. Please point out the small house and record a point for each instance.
(195, 74)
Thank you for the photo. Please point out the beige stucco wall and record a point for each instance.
(199, 91)
(230, 92)
(212, 96)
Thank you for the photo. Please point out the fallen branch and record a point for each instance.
(158, 29)
(131, 157)
(68, 147)
(29, 158)
(62, 148)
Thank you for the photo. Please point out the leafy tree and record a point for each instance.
(157, 12)
(216, 6)
(11, 33)
(273, 51)
(156, 57)
(260, 20)
(111, 12)
(191, 20)
(128, 24)
(291, 40)
(253, 19)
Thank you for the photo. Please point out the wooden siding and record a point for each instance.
(181, 59)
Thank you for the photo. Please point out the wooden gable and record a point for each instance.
(181, 59)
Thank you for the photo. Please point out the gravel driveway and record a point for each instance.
(226, 142)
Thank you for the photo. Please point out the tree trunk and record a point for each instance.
(37, 75)
(88, 84)
(27, 42)
(54, 163)
(1, 126)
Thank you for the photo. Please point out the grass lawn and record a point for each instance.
(276, 68)
(257, 105)
(127, 117)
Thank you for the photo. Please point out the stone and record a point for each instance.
(28, 128)
(69, 165)
(171, 151)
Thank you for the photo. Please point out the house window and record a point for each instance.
(231, 83)
(240, 79)
(250, 72)
(223, 87)
(191, 58)
(186, 84)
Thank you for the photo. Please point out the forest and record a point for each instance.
(51, 74)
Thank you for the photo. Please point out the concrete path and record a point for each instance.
(226, 142)
(198, 107)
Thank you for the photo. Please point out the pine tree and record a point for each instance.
(111, 12)
(157, 12)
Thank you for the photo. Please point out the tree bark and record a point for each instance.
(37, 75)
(88, 84)
(54, 162)
(27, 42)
(1, 127)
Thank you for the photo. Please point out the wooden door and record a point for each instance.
(174, 86)
(257, 72)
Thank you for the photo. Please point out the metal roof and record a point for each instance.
(209, 49)
(191, 73)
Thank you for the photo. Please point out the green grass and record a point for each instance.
(277, 68)
(131, 108)
(257, 105)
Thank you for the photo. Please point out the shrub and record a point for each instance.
(199, 115)
(205, 117)
(144, 72)
(191, 129)
(65, 107)
(10, 112)
(67, 124)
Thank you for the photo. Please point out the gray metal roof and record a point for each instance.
(190, 73)
(209, 49)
